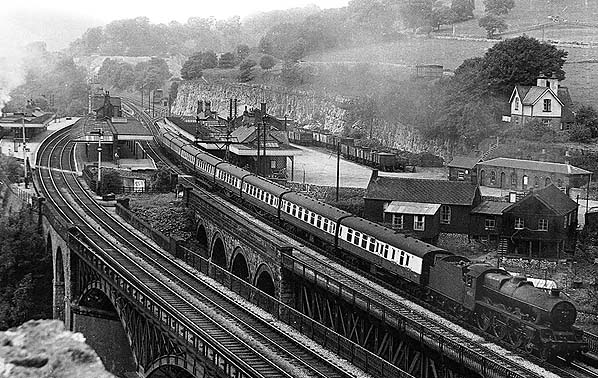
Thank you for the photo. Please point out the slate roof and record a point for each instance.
(464, 162)
(551, 197)
(531, 94)
(491, 208)
(419, 190)
(534, 165)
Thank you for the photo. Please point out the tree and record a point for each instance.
(498, 7)
(442, 15)
(520, 61)
(579, 133)
(174, 90)
(161, 180)
(25, 272)
(245, 73)
(192, 68)
(267, 62)
(209, 59)
(492, 25)
(242, 52)
(227, 60)
(463, 9)
(587, 117)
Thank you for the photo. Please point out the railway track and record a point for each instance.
(62, 189)
(565, 370)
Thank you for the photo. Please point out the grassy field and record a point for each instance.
(402, 55)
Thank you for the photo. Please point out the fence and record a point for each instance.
(321, 334)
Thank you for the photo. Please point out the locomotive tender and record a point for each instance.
(507, 307)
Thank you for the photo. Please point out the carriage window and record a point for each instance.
(385, 252)
(357, 238)
(300, 213)
(312, 218)
(294, 210)
(401, 257)
(319, 221)
(332, 228)
(350, 235)
(306, 216)
(364, 242)
(372, 245)
(325, 224)
(407, 260)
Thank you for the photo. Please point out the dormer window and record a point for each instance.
(547, 105)
(516, 103)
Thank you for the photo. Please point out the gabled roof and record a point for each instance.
(243, 133)
(464, 162)
(419, 190)
(534, 165)
(551, 197)
(491, 208)
(530, 95)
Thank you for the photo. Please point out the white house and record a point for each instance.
(547, 101)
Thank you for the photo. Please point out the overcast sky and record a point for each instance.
(163, 11)
(58, 22)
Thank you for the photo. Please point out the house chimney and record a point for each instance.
(199, 106)
(374, 175)
(263, 109)
(567, 157)
(208, 107)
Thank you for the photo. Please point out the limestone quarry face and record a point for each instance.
(44, 349)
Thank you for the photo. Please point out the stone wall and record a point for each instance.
(305, 108)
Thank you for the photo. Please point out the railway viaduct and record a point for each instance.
(133, 333)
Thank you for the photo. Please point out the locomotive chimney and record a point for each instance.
(554, 292)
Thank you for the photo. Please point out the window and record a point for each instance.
(273, 164)
(516, 103)
(513, 179)
(565, 221)
(524, 181)
(547, 181)
(547, 105)
(543, 225)
(445, 214)
(419, 222)
(397, 221)
(536, 182)
(490, 224)
(519, 224)
(350, 235)
(492, 178)
(546, 122)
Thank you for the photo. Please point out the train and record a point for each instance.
(507, 307)
(381, 158)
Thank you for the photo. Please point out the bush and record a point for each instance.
(111, 182)
(579, 133)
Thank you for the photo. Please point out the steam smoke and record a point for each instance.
(11, 76)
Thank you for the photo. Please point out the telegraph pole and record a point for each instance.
(24, 153)
(338, 165)
(100, 134)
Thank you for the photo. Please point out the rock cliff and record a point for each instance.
(44, 349)
(304, 107)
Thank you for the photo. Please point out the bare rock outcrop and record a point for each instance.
(44, 349)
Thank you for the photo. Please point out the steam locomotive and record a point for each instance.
(502, 305)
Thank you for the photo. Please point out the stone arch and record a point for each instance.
(239, 267)
(264, 281)
(218, 253)
(171, 366)
(100, 297)
(201, 235)
(59, 267)
(547, 181)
